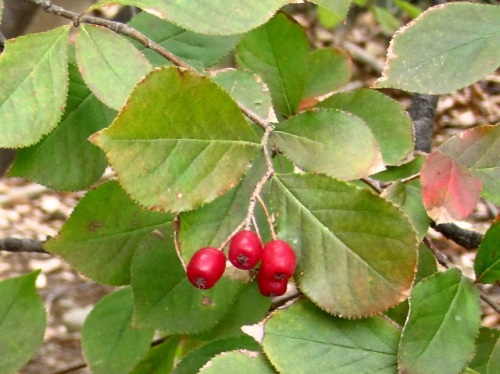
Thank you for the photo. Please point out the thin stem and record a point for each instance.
(268, 217)
(258, 187)
(177, 243)
(372, 184)
(117, 27)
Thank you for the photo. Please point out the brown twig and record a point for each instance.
(124, 29)
(465, 238)
(21, 245)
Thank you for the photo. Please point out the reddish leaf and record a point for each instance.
(450, 191)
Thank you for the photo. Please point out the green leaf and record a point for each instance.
(446, 48)
(445, 315)
(109, 343)
(194, 360)
(163, 297)
(160, 358)
(210, 16)
(393, 173)
(183, 157)
(327, 18)
(427, 264)
(410, 9)
(387, 119)
(34, 81)
(304, 339)
(22, 321)
(64, 159)
(329, 69)
(241, 362)
(357, 253)
(487, 262)
(386, 19)
(246, 90)
(101, 235)
(109, 63)
(338, 7)
(409, 197)
(494, 362)
(249, 307)
(485, 343)
(477, 149)
(211, 224)
(279, 53)
(331, 142)
(399, 313)
(187, 45)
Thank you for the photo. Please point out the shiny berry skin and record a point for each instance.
(206, 267)
(245, 250)
(271, 287)
(278, 260)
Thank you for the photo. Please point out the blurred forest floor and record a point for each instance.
(31, 211)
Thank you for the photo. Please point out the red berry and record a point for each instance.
(245, 250)
(278, 260)
(206, 267)
(271, 287)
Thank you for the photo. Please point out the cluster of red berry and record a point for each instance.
(277, 260)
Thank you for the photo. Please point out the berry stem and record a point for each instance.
(177, 228)
(255, 196)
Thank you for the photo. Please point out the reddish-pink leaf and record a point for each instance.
(450, 191)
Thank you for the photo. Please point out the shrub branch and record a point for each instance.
(21, 245)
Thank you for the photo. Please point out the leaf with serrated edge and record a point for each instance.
(357, 253)
(446, 48)
(195, 359)
(329, 141)
(279, 53)
(64, 159)
(240, 361)
(172, 151)
(485, 343)
(109, 64)
(477, 149)
(110, 344)
(34, 81)
(445, 314)
(449, 191)
(207, 50)
(387, 119)
(487, 261)
(219, 17)
(101, 235)
(22, 321)
(164, 299)
(304, 339)
(247, 90)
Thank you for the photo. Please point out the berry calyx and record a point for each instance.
(271, 287)
(278, 260)
(245, 250)
(206, 267)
